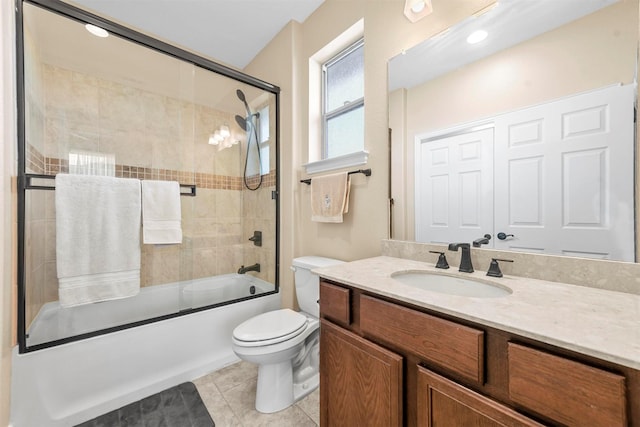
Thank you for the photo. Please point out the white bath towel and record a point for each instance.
(97, 238)
(330, 197)
(161, 214)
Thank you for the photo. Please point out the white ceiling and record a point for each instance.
(229, 31)
(511, 22)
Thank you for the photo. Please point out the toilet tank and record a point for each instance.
(308, 284)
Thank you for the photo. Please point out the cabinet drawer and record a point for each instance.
(456, 348)
(335, 303)
(568, 392)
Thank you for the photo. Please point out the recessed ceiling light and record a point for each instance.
(415, 10)
(477, 36)
(418, 7)
(97, 31)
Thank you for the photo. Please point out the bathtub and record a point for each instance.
(68, 384)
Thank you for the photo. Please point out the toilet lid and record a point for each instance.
(271, 327)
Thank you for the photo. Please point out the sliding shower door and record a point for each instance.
(123, 110)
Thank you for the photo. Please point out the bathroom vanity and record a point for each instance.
(543, 354)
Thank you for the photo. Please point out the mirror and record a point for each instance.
(536, 56)
(131, 108)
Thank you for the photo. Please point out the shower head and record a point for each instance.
(242, 122)
(241, 97)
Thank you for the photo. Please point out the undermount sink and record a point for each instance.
(451, 285)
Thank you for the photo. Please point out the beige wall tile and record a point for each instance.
(229, 204)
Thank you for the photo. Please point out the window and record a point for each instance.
(263, 140)
(343, 102)
(92, 163)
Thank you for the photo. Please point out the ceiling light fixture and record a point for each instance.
(96, 31)
(418, 7)
(415, 10)
(215, 138)
(477, 36)
(221, 138)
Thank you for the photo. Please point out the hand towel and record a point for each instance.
(97, 238)
(161, 214)
(330, 197)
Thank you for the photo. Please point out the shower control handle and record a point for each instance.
(257, 238)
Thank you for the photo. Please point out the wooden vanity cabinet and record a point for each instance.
(442, 402)
(385, 362)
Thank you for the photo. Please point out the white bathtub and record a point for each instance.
(54, 322)
(71, 383)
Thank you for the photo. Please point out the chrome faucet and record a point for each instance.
(254, 267)
(465, 259)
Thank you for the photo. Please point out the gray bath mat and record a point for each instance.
(179, 406)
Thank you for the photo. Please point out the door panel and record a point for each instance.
(564, 176)
(454, 180)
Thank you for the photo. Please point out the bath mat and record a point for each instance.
(179, 406)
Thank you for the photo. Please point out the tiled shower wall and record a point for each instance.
(36, 238)
(153, 137)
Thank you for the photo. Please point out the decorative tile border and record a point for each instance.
(39, 164)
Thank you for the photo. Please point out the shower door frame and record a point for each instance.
(24, 179)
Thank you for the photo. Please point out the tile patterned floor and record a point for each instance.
(229, 395)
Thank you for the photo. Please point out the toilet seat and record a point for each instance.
(270, 328)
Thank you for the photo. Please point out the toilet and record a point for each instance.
(285, 343)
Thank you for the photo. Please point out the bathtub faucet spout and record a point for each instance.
(254, 267)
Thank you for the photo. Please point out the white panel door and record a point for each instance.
(564, 176)
(454, 180)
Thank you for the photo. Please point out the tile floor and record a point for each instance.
(229, 395)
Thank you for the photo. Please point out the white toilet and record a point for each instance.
(285, 343)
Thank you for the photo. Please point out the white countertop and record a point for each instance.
(599, 323)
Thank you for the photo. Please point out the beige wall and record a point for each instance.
(285, 62)
(7, 217)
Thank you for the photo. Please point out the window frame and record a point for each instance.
(326, 116)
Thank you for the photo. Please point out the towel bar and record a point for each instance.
(28, 185)
(366, 172)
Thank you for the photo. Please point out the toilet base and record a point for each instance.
(274, 392)
(301, 390)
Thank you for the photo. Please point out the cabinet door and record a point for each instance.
(443, 403)
(360, 382)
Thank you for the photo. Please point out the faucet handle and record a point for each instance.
(494, 267)
(442, 260)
